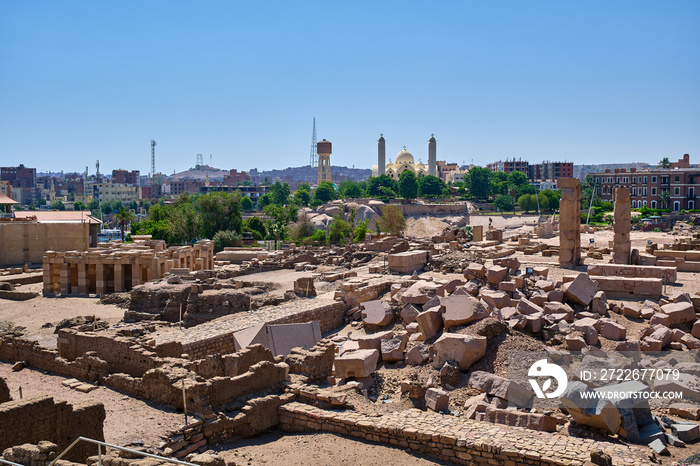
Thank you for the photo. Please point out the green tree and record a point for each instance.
(43, 202)
(375, 183)
(78, 205)
(517, 179)
(246, 204)
(277, 225)
(498, 183)
(218, 211)
(264, 201)
(665, 163)
(392, 220)
(350, 189)
(254, 223)
(225, 239)
(279, 193)
(124, 216)
(360, 231)
(408, 185)
(479, 178)
(503, 202)
(325, 192)
(665, 195)
(339, 230)
(302, 196)
(527, 202)
(430, 186)
(57, 205)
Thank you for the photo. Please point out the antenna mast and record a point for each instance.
(153, 158)
(313, 159)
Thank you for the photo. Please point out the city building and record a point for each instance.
(445, 170)
(234, 177)
(116, 192)
(648, 188)
(185, 186)
(405, 161)
(510, 166)
(554, 170)
(125, 177)
(253, 192)
(19, 177)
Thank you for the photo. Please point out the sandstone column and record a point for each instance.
(48, 277)
(569, 222)
(65, 278)
(82, 278)
(623, 216)
(99, 278)
(478, 233)
(118, 277)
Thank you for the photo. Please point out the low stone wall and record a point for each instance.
(41, 418)
(623, 287)
(667, 274)
(457, 440)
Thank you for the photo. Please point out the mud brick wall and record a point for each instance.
(122, 354)
(230, 365)
(457, 440)
(329, 317)
(85, 367)
(40, 418)
(222, 343)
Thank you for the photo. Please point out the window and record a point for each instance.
(664, 180)
(691, 205)
(597, 181)
(691, 191)
(676, 191)
(610, 179)
(653, 204)
(653, 191)
(617, 180)
(645, 191)
(676, 206)
(678, 178)
(597, 190)
(625, 179)
(634, 180)
(645, 203)
(653, 179)
(645, 180)
(634, 204)
(634, 192)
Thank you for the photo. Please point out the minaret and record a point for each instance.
(381, 156)
(432, 156)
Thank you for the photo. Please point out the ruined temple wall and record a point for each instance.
(41, 418)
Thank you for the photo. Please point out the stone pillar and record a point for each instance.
(381, 156)
(569, 222)
(82, 278)
(199, 263)
(118, 277)
(478, 233)
(99, 278)
(432, 156)
(622, 245)
(48, 278)
(135, 273)
(65, 278)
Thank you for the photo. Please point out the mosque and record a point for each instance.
(404, 161)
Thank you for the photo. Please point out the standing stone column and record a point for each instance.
(569, 222)
(82, 278)
(118, 277)
(48, 277)
(622, 245)
(65, 278)
(99, 278)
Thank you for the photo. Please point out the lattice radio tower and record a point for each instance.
(313, 159)
(153, 158)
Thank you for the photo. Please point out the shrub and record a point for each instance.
(339, 229)
(392, 220)
(361, 231)
(226, 239)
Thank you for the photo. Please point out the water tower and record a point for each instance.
(323, 150)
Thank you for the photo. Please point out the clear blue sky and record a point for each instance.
(588, 82)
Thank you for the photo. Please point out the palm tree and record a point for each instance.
(124, 216)
(665, 163)
(665, 196)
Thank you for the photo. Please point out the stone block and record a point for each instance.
(631, 310)
(372, 340)
(581, 290)
(421, 292)
(407, 262)
(696, 329)
(679, 312)
(437, 399)
(377, 313)
(623, 287)
(474, 270)
(527, 307)
(497, 299)
(461, 310)
(685, 410)
(304, 286)
(430, 322)
(392, 349)
(496, 274)
(417, 355)
(463, 349)
(358, 364)
(686, 432)
(409, 313)
(501, 387)
(613, 331)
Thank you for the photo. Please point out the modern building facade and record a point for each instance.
(672, 188)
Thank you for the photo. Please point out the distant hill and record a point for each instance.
(200, 173)
(310, 174)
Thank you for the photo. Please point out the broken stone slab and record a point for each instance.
(685, 410)
(581, 290)
(534, 322)
(437, 399)
(686, 432)
(392, 349)
(679, 312)
(588, 410)
(461, 310)
(527, 307)
(409, 313)
(497, 299)
(372, 340)
(612, 330)
(452, 285)
(501, 387)
(449, 374)
(496, 274)
(631, 310)
(659, 447)
(421, 292)
(417, 355)
(559, 308)
(474, 270)
(535, 421)
(430, 322)
(358, 364)
(377, 313)
(464, 349)
(674, 441)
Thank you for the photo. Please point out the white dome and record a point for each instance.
(404, 157)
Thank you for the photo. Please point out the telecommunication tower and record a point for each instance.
(313, 159)
(153, 157)
(97, 175)
(200, 159)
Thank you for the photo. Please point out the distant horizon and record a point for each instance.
(587, 83)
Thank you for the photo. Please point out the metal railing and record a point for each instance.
(4, 461)
(104, 444)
